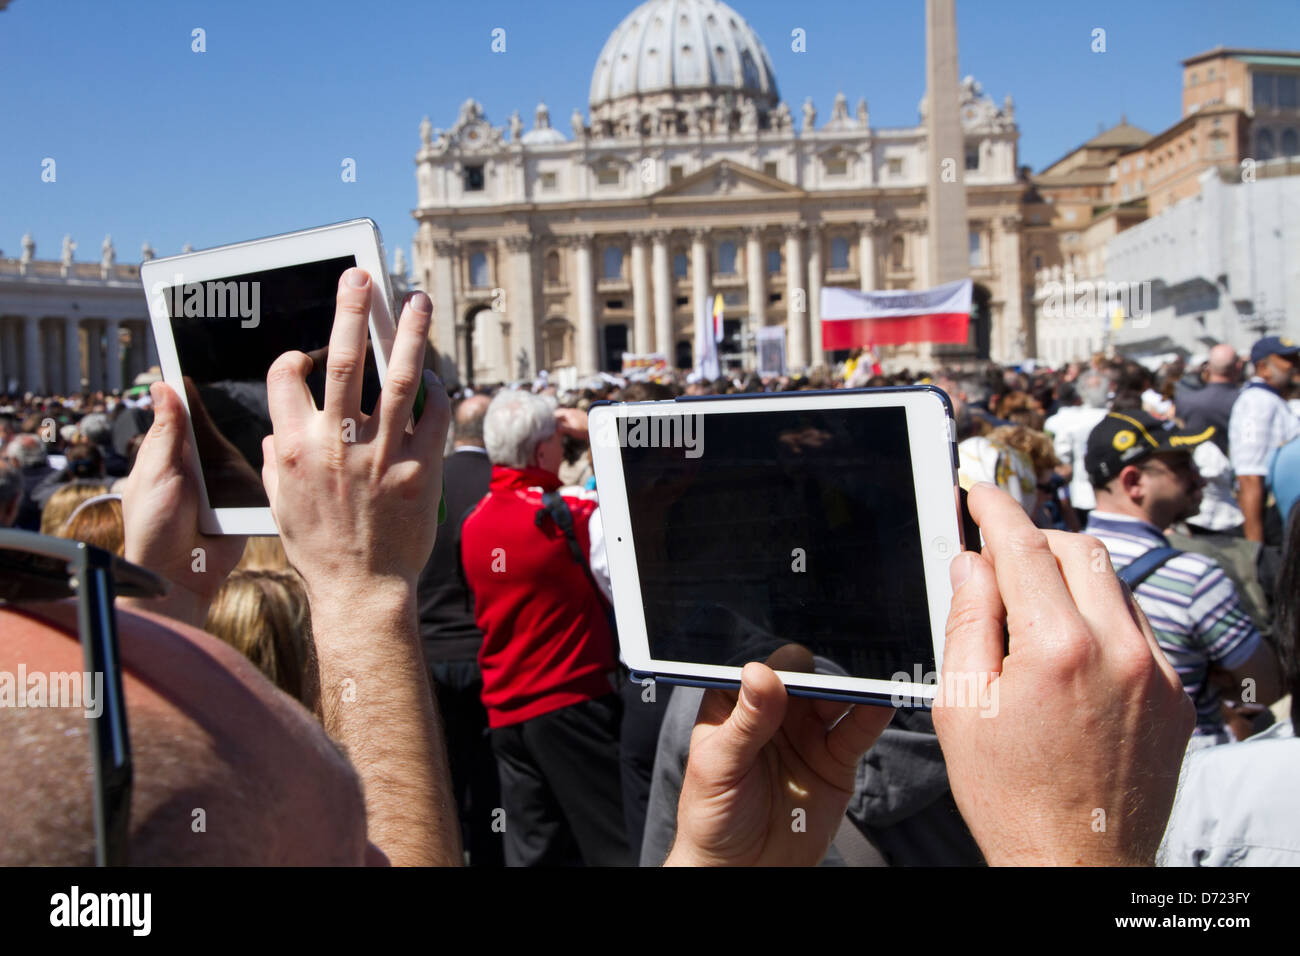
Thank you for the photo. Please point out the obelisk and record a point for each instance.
(949, 249)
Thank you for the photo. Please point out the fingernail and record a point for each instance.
(959, 570)
(356, 278)
(421, 303)
(748, 698)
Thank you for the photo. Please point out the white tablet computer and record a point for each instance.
(222, 316)
(739, 524)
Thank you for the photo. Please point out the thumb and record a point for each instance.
(160, 452)
(973, 645)
(727, 754)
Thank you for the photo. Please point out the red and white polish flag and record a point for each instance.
(852, 319)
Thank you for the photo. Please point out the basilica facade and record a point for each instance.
(691, 177)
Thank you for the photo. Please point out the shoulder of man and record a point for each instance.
(1193, 563)
(580, 506)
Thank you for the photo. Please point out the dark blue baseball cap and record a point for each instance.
(1274, 345)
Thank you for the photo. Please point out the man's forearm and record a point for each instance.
(1250, 498)
(377, 703)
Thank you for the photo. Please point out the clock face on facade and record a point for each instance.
(968, 114)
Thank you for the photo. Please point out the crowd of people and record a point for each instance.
(372, 687)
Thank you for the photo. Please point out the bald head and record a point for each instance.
(228, 770)
(1223, 365)
(467, 422)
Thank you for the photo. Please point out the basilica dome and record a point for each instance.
(682, 49)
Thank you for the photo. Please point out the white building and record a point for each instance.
(1224, 266)
(66, 326)
(690, 176)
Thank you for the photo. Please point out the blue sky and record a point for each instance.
(154, 141)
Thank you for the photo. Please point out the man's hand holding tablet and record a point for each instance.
(354, 497)
(770, 775)
(1089, 717)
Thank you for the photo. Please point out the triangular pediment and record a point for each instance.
(725, 179)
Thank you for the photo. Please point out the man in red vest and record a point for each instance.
(548, 654)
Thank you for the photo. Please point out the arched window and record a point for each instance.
(839, 253)
(478, 271)
(553, 268)
(1290, 145)
(897, 252)
(612, 263)
(726, 258)
(681, 265)
(773, 260)
(1264, 145)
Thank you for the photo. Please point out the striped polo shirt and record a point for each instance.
(1192, 606)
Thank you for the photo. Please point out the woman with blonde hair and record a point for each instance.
(98, 521)
(1038, 447)
(263, 614)
(65, 501)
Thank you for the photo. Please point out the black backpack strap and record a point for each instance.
(553, 505)
(1142, 567)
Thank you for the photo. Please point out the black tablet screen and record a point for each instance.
(757, 529)
(228, 331)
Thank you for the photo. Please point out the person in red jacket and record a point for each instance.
(548, 656)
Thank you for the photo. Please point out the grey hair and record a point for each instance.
(516, 423)
(96, 428)
(11, 484)
(1094, 389)
(26, 451)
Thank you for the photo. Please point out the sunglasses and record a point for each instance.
(35, 567)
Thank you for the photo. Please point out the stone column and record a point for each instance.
(34, 372)
(113, 354)
(443, 295)
(71, 356)
(867, 257)
(139, 335)
(94, 356)
(521, 307)
(796, 295)
(815, 355)
(699, 281)
(755, 279)
(643, 332)
(1017, 339)
(921, 253)
(665, 335)
(588, 357)
(9, 359)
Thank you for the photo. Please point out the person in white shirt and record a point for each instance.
(1236, 804)
(1261, 422)
(1070, 428)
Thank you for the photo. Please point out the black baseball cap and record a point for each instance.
(1273, 345)
(1125, 438)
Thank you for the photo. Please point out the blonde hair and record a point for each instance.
(99, 523)
(1035, 445)
(264, 615)
(264, 553)
(64, 501)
